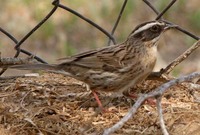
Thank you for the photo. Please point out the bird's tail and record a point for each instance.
(34, 67)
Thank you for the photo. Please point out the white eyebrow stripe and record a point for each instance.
(147, 26)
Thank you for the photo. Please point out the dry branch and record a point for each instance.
(155, 93)
(163, 74)
(4, 62)
(182, 57)
(162, 123)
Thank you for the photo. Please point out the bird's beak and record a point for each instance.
(169, 26)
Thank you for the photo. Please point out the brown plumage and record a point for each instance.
(117, 67)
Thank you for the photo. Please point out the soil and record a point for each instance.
(52, 104)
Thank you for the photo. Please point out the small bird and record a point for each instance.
(114, 68)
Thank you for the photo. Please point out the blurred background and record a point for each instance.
(64, 34)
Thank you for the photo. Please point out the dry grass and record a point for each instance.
(53, 104)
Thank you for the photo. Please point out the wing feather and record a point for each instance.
(97, 59)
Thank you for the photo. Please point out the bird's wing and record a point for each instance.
(107, 58)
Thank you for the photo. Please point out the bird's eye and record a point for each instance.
(155, 28)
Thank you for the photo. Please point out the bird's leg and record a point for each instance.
(95, 96)
(103, 110)
(130, 95)
(98, 100)
(150, 101)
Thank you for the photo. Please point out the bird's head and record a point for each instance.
(148, 32)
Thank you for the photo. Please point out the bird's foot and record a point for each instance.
(101, 108)
(130, 95)
(149, 101)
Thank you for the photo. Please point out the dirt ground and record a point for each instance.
(51, 104)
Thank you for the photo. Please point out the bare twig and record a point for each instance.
(22, 50)
(157, 92)
(17, 47)
(118, 19)
(4, 62)
(129, 115)
(162, 123)
(182, 57)
(159, 77)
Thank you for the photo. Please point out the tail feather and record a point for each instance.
(34, 67)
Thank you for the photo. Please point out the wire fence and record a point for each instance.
(111, 39)
(57, 4)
